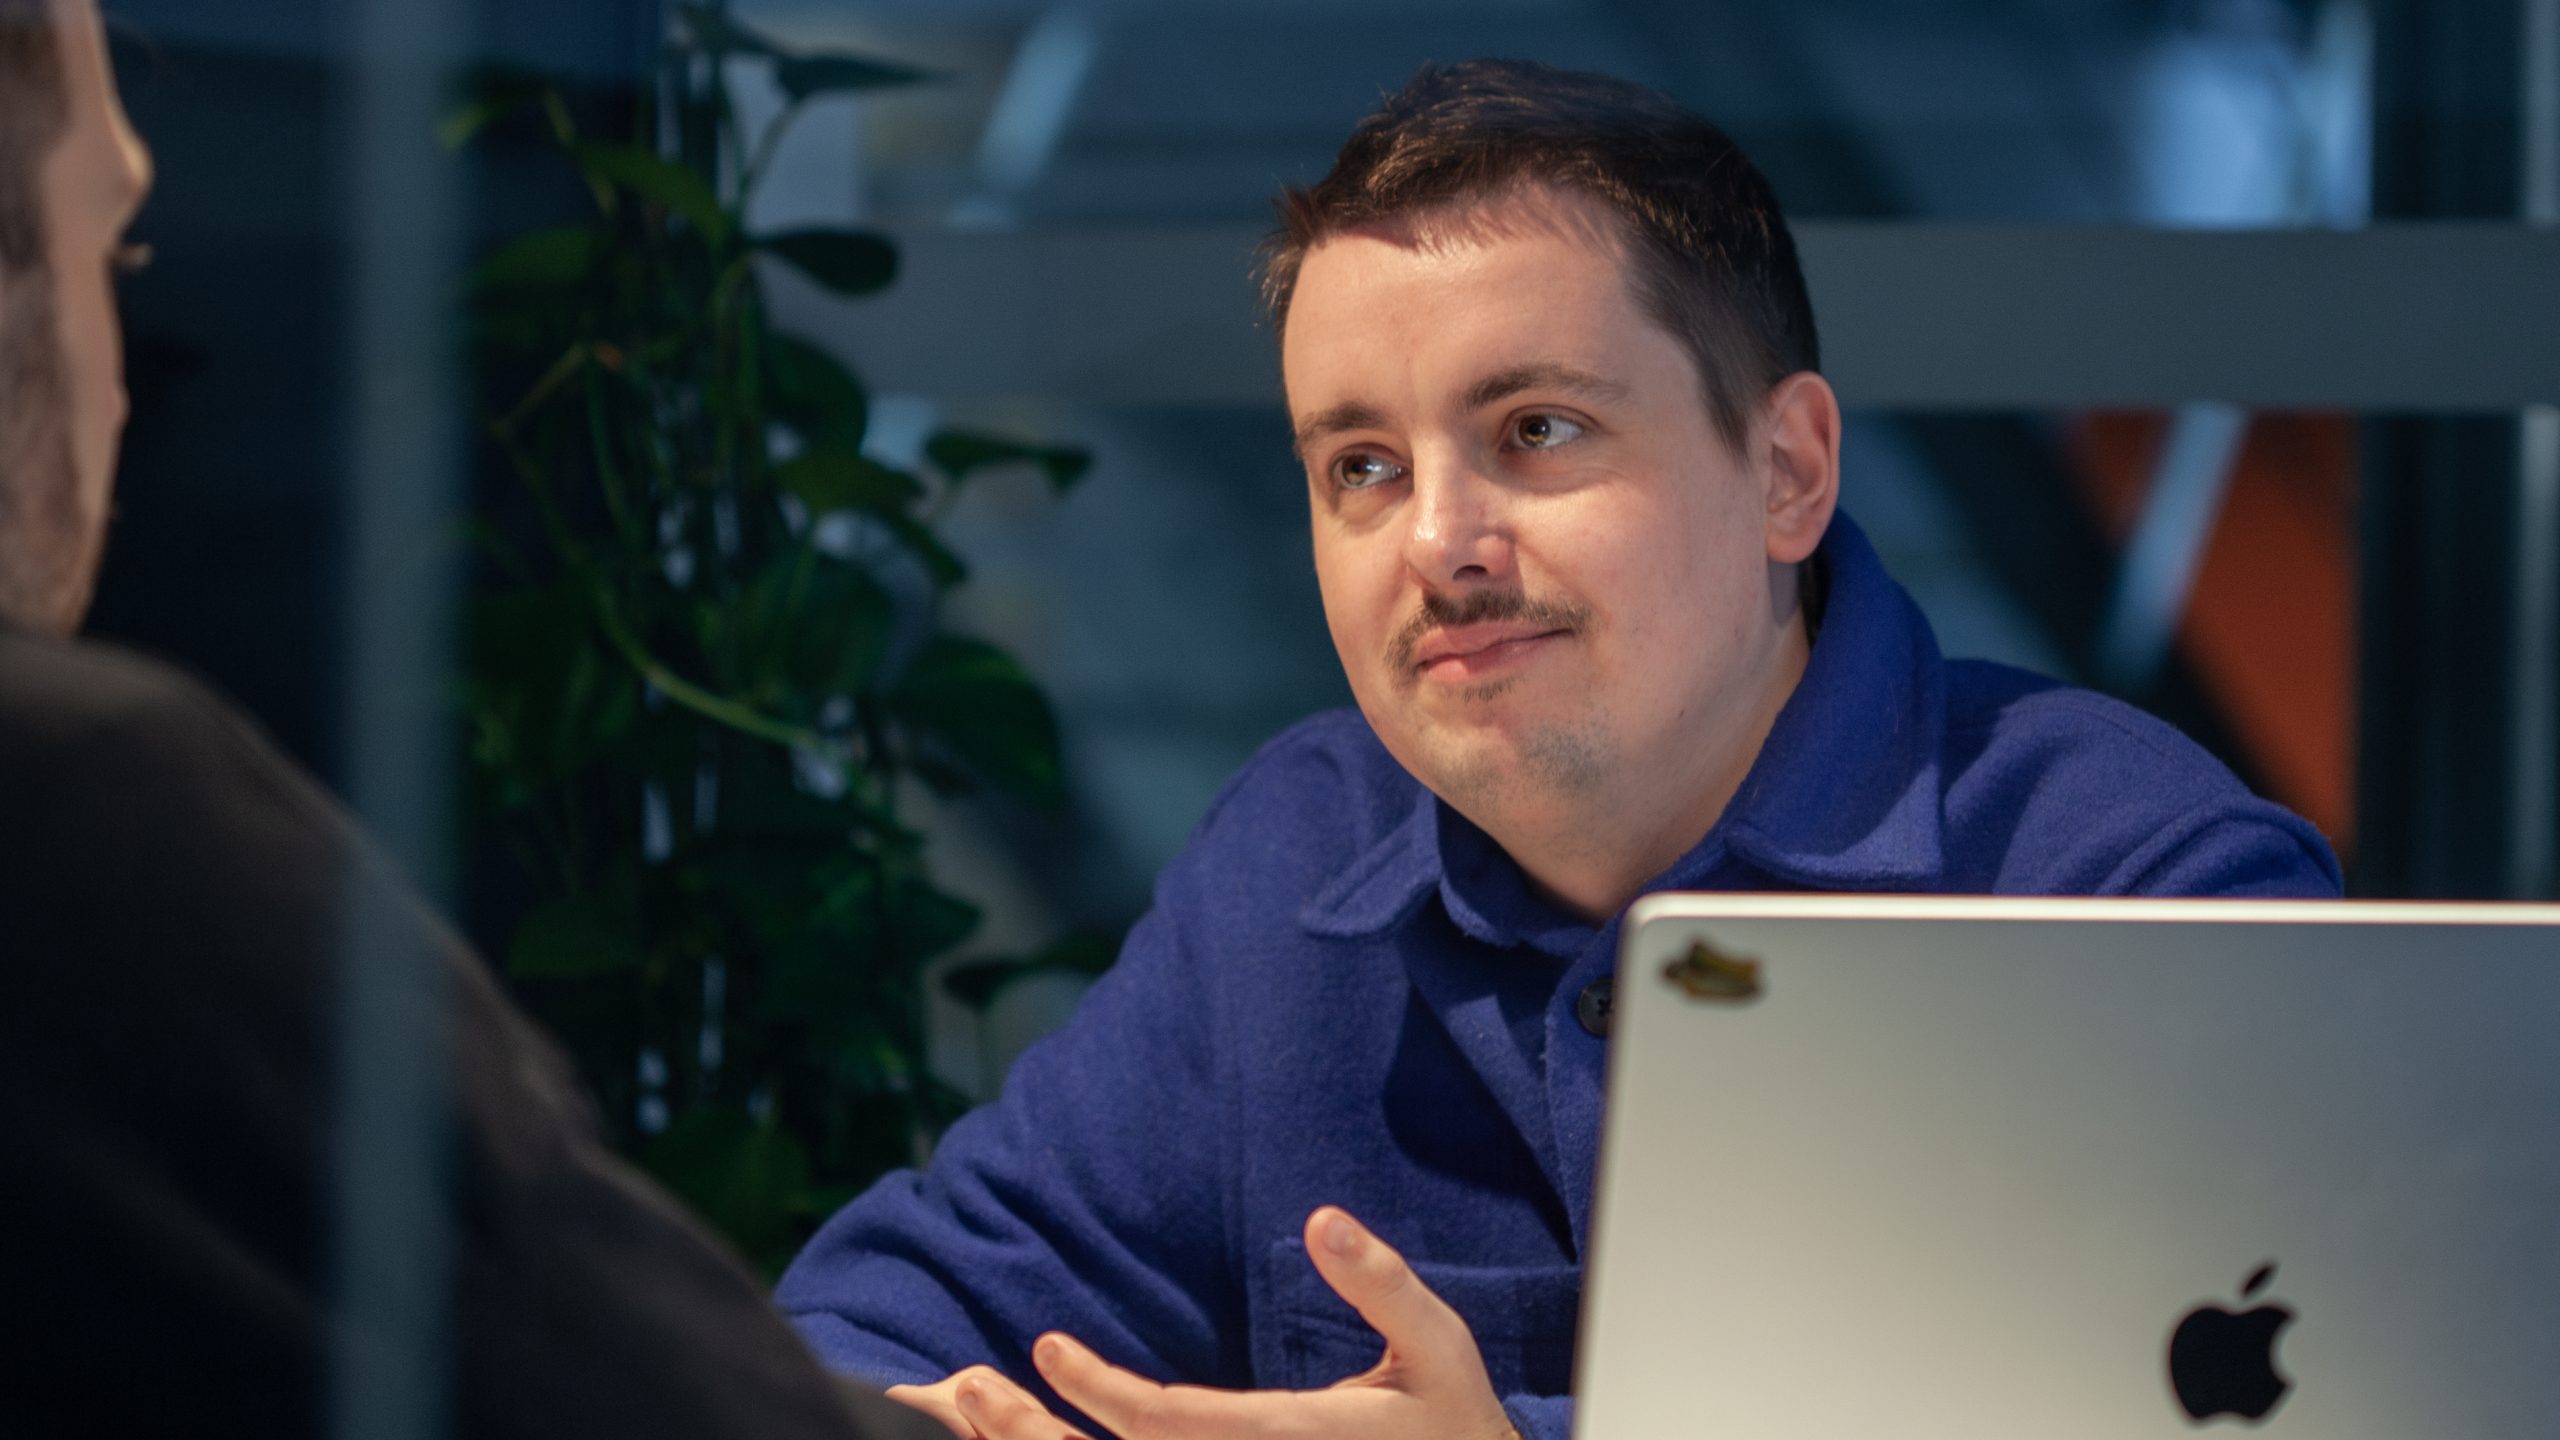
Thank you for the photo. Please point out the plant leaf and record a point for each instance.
(573, 939)
(946, 780)
(975, 701)
(844, 261)
(831, 477)
(658, 179)
(830, 72)
(1083, 953)
(807, 627)
(840, 629)
(541, 260)
(820, 985)
(925, 922)
(958, 453)
(868, 931)
(545, 698)
(495, 94)
(978, 983)
(945, 567)
(459, 128)
(746, 1179)
(712, 31)
(813, 393)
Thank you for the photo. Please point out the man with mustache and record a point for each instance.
(1572, 475)
(172, 895)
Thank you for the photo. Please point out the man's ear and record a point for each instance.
(1800, 464)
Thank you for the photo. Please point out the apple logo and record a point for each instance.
(2222, 1363)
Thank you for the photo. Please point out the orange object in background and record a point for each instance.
(2270, 630)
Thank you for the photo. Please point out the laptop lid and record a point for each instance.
(1932, 1167)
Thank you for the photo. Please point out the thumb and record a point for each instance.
(1421, 1330)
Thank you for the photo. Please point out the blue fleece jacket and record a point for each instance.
(1346, 993)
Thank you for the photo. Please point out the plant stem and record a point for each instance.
(735, 714)
(767, 146)
(562, 370)
(740, 717)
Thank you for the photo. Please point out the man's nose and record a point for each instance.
(1461, 528)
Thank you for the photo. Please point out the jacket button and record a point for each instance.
(1593, 1008)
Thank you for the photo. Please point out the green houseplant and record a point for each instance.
(707, 659)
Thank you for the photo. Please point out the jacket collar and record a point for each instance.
(1845, 793)
(1843, 796)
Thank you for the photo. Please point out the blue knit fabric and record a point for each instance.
(1348, 994)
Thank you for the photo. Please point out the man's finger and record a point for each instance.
(942, 1399)
(936, 1401)
(1002, 1410)
(1367, 1272)
(1135, 1407)
(1114, 1396)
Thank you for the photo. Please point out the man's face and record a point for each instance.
(1547, 575)
(60, 431)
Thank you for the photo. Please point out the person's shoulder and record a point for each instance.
(2001, 714)
(52, 687)
(2054, 788)
(1328, 768)
(116, 765)
(78, 715)
(1324, 788)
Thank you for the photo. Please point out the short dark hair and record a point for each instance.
(1709, 255)
(34, 113)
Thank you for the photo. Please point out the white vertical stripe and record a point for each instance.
(2161, 559)
(390, 1245)
(2534, 734)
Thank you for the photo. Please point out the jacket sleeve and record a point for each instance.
(1091, 1197)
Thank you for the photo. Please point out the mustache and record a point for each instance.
(1478, 607)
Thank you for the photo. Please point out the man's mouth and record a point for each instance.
(1474, 652)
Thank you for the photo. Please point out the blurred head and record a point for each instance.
(72, 174)
(1551, 367)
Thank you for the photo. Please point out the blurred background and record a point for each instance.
(2195, 351)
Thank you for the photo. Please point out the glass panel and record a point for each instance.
(2236, 112)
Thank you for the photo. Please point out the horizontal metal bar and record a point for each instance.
(2451, 317)
(2455, 317)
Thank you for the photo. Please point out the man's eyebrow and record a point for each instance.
(1498, 386)
(1349, 415)
(1540, 375)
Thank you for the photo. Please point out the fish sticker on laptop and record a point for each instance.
(1705, 973)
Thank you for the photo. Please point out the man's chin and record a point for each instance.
(1488, 766)
(1478, 697)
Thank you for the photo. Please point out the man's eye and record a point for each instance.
(1360, 470)
(1543, 432)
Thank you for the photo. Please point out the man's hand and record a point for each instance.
(1430, 1386)
(978, 1402)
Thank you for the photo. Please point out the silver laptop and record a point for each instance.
(2092, 1169)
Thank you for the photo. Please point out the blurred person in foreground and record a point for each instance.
(1572, 473)
(172, 895)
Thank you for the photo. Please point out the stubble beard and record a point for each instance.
(1550, 761)
(49, 552)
